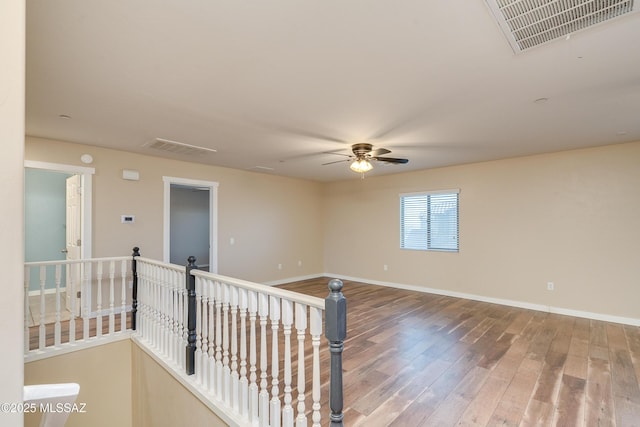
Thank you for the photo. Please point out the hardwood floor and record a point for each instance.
(415, 359)
(34, 331)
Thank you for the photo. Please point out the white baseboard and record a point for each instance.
(511, 303)
(292, 279)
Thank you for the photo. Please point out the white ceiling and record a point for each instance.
(278, 84)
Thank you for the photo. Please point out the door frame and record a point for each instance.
(86, 182)
(86, 197)
(213, 217)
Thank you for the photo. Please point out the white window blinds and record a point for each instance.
(429, 221)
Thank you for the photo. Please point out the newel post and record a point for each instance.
(335, 306)
(134, 285)
(191, 316)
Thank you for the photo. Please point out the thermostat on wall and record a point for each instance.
(128, 219)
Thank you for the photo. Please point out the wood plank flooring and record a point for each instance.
(34, 331)
(414, 359)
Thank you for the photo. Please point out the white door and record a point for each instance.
(74, 242)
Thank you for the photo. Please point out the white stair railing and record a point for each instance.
(277, 311)
(51, 304)
(228, 339)
(243, 359)
(161, 320)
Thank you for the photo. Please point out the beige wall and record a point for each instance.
(105, 378)
(572, 218)
(161, 401)
(567, 217)
(12, 69)
(274, 220)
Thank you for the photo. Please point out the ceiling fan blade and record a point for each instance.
(391, 160)
(337, 161)
(337, 154)
(379, 152)
(306, 133)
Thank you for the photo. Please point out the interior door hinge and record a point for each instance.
(78, 294)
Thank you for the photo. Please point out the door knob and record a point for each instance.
(64, 251)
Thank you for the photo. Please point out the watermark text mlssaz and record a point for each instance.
(30, 407)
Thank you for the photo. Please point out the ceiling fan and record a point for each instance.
(363, 153)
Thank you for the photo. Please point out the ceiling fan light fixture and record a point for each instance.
(361, 166)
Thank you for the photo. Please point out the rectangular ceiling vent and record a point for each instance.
(179, 147)
(529, 23)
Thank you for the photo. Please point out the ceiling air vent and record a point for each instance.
(529, 23)
(178, 147)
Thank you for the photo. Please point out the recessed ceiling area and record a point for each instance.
(287, 88)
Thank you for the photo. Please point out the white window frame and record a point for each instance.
(427, 243)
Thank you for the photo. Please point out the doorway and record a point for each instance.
(45, 219)
(57, 219)
(190, 222)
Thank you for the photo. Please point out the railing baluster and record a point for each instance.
(235, 377)
(171, 279)
(301, 327)
(177, 332)
(287, 321)
(42, 329)
(157, 286)
(219, 380)
(263, 309)
(253, 386)
(57, 327)
(198, 355)
(244, 383)
(99, 301)
(211, 360)
(226, 370)
(154, 313)
(123, 296)
(162, 324)
(204, 363)
(160, 313)
(170, 276)
(315, 320)
(72, 279)
(112, 297)
(274, 314)
(85, 300)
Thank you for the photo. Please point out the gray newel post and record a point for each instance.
(134, 288)
(191, 316)
(335, 306)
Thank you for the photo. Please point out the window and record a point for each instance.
(429, 221)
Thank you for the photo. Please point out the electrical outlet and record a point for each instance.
(300, 263)
(385, 267)
(279, 266)
(550, 286)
